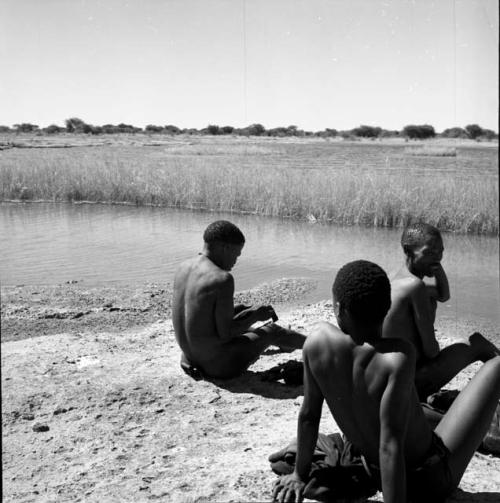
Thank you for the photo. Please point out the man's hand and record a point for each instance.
(435, 270)
(289, 488)
(266, 312)
(442, 288)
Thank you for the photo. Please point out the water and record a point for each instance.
(46, 243)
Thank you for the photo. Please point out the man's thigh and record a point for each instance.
(238, 354)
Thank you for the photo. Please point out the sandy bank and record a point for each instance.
(125, 424)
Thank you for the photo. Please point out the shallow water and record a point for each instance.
(43, 243)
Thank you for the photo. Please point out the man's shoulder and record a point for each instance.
(199, 267)
(325, 335)
(405, 286)
(397, 353)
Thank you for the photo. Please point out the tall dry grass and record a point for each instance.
(248, 183)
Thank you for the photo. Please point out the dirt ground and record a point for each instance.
(98, 408)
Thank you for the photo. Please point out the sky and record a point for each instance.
(310, 63)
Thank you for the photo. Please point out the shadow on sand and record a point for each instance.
(480, 497)
(460, 496)
(267, 383)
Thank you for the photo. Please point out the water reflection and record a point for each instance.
(54, 243)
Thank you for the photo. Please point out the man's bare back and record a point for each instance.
(214, 335)
(353, 379)
(368, 384)
(198, 284)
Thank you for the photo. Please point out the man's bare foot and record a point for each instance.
(486, 349)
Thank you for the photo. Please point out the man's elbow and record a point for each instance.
(445, 298)
(392, 446)
(309, 416)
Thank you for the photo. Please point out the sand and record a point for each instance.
(123, 423)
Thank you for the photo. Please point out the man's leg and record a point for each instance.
(465, 424)
(435, 373)
(241, 351)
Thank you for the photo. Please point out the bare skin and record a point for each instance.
(412, 316)
(368, 385)
(214, 334)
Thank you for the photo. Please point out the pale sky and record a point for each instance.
(310, 63)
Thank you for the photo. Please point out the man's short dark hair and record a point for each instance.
(363, 288)
(223, 231)
(415, 235)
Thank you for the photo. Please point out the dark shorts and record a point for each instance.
(432, 481)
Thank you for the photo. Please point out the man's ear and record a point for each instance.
(342, 311)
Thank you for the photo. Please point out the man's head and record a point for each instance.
(224, 242)
(361, 294)
(423, 246)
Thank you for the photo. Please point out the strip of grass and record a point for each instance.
(255, 181)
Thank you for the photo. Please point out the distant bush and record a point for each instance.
(474, 131)
(212, 129)
(488, 134)
(171, 129)
(419, 132)
(25, 127)
(5, 129)
(150, 128)
(279, 132)
(366, 131)
(227, 129)
(53, 129)
(454, 132)
(76, 125)
(330, 132)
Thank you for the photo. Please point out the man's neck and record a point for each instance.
(361, 334)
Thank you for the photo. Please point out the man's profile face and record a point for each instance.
(230, 255)
(428, 255)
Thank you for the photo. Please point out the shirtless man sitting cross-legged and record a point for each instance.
(368, 384)
(214, 335)
(413, 312)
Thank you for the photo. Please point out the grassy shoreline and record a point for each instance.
(344, 184)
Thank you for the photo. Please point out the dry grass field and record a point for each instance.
(453, 185)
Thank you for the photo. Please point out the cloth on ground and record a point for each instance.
(337, 471)
(292, 372)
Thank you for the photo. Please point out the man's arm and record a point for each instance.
(394, 407)
(227, 326)
(290, 487)
(424, 319)
(441, 288)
